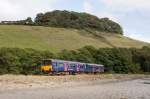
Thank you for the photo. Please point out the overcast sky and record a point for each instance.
(133, 15)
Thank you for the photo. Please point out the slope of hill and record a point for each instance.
(57, 39)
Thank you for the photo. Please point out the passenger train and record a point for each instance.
(56, 66)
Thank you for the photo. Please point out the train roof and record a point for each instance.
(74, 62)
(63, 60)
(95, 64)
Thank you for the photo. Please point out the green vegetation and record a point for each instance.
(56, 39)
(21, 61)
(77, 20)
(116, 60)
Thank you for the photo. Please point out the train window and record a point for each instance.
(72, 65)
(81, 66)
(60, 65)
(54, 64)
(89, 67)
(47, 62)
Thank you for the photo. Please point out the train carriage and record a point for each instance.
(56, 66)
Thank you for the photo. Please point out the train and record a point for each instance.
(55, 66)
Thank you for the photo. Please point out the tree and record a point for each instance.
(77, 20)
(29, 21)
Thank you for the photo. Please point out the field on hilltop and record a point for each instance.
(57, 39)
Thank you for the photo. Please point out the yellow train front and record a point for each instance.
(56, 66)
(46, 66)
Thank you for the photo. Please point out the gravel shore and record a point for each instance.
(21, 81)
(75, 87)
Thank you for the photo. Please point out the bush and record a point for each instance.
(117, 60)
(21, 61)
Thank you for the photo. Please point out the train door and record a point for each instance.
(82, 67)
(65, 66)
(60, 66)
(78, 67)
(72, 68)
(54, 65)
(94, 69)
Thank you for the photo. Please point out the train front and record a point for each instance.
(46, 65)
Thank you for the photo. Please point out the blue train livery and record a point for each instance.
(56, 66)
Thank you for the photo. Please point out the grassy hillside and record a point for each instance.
(56, 39)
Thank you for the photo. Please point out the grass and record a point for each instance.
(57, 39)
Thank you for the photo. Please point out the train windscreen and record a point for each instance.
(47, 62)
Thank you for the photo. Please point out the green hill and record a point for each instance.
(56, 39)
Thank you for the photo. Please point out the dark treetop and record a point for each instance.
(70, 19)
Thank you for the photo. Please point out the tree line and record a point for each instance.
(116, 60)
(71, 19)
(27, 21)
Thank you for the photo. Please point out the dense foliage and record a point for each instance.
(77, 20)
(117, 60)
(21, 61)
(70, 19)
